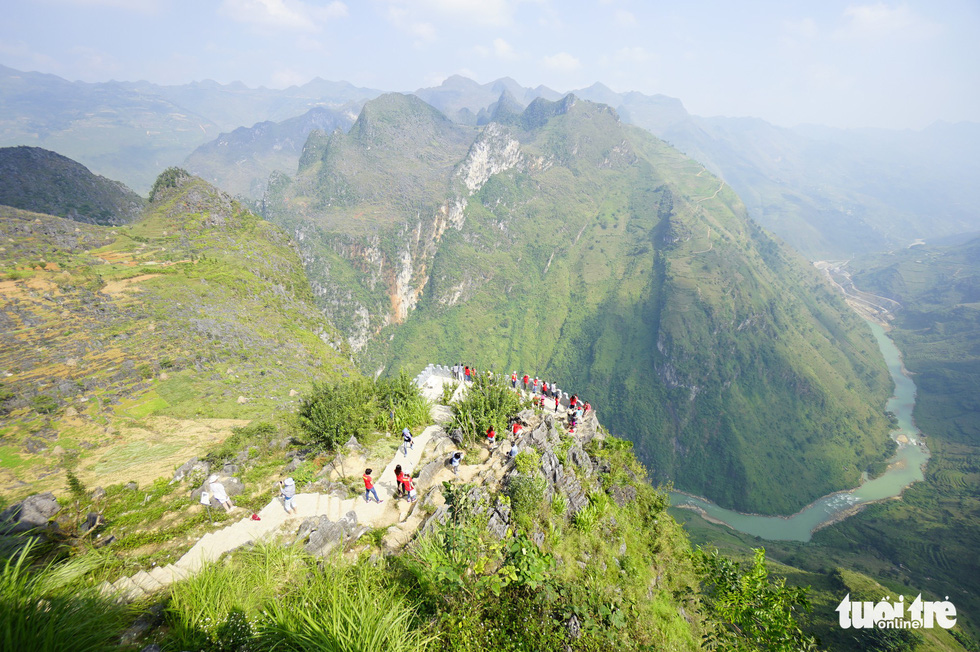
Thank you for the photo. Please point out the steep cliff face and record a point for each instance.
(562, 242)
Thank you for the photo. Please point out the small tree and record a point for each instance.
(755, 612)
(335, 412)
(488, 402)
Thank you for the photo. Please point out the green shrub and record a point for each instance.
(400, 404)
(488, 402)
(336, 411)
(44, 404)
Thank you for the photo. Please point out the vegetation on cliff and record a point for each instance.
(590, 253)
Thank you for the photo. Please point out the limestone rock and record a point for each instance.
(327, 534)
(191, 469)
(31, 513)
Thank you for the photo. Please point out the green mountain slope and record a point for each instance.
(592, 254)
(241, 162)
(198, 310)
(37, 180)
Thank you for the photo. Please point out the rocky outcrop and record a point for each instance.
(33, 513)
(325, 535)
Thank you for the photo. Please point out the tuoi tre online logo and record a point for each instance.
(892, 615)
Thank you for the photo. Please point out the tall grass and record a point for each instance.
(277, 598)
(50, 607)
(221, 593)
(346, 609)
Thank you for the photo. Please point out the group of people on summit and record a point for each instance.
(404, 483)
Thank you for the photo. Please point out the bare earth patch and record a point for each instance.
(118, 287)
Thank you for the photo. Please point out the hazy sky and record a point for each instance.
(889, 64)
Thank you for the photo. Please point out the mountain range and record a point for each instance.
(830, 193)
(561, 241)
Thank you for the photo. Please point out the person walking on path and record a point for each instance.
(287, 489)
(491, 437)
(466, 372)
(369, 489)
(407, 440)
(218, 493)
(557, 401)
(534, 385)
(398, 480)
(409, 487)
(513, 380)
(544, 388)
(455, 460)
(525, 380)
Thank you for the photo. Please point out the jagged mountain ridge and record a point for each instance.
(242, 161)
(566, 242)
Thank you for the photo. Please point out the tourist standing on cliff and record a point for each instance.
(513, 379)
(525, 379)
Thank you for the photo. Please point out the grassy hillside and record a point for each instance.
(131, 345)
(592, 254)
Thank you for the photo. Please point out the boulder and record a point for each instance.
(190, 469)
(457, 436)
(31, 513)
(327, 534)
(429, 471)
(623, 495)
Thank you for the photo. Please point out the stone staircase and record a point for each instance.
(273, 518)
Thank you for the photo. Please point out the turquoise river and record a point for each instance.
(903, 469)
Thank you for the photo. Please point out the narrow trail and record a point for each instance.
(400, 517)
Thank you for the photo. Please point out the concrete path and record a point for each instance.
(275, 519)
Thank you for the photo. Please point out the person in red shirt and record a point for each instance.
(409, 487)
(513, 380)
(544, 388)
(517, 428)
(369, 487)
(526, 378)
(587, 408)
(572, 402)
(491, 437)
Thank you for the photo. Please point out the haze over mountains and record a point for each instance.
(510, 228)
(831, 193)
